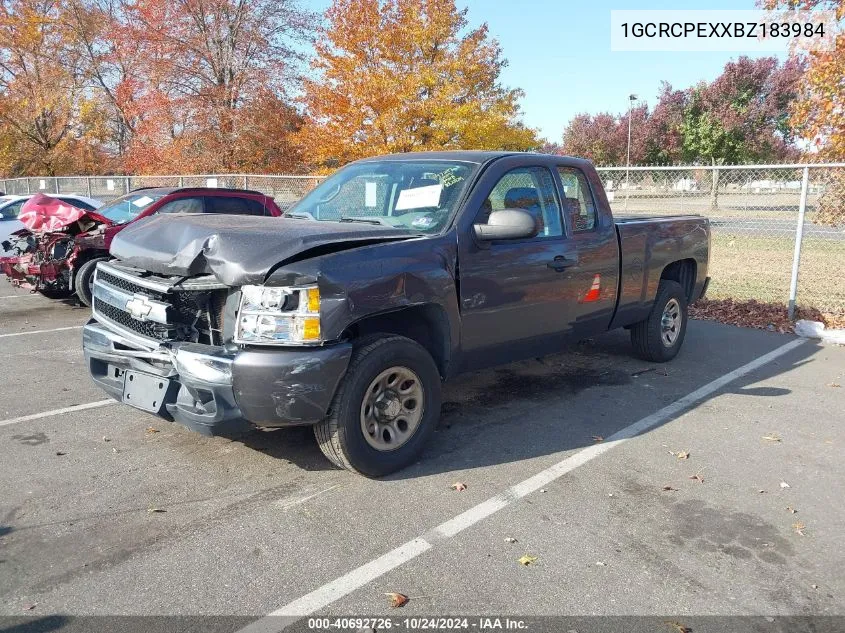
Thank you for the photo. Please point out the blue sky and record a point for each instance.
(559, 54)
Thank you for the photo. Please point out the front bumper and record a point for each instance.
(220, 390)
(22, 272)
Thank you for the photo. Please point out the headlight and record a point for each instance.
(279, 316)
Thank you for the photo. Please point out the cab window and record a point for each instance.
(578, 202)
(530, 189)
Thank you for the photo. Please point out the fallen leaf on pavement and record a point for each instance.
(527, 560)
(60, 453)
(154, 510)
(680, 628)
(152, 429)
(799, 527)
(814, 586)
(106, 439)
(29, 607)
(762, 492)
(783, 484)
(510, 539)
(459, 486)
(669, 488)
(598, 438)
(835, 385)
(697, 477)
(396, 599)
(601, 563)
(791, 510)
(772, 437)
(682, 455)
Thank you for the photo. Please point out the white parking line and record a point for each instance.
(26, 296)
(55, 329)
(357, 578)
(47, 414)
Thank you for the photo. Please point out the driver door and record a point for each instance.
(516, 299)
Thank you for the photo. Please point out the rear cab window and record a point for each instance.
(578, 205)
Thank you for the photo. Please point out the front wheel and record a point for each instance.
(659, 337)
(385, 409)
(84, 280)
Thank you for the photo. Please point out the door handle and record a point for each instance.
(561, 263)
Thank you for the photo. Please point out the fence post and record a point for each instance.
(246, 181)
(128, 184)
(799, 237)
(28, 187)
(88, 183)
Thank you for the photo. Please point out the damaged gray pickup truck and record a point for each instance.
(394, 274)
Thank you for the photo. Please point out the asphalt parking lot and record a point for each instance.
(577, 460)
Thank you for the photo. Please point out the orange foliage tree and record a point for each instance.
(405, 75)
(217, 71)
(819, 113)
(48, 124)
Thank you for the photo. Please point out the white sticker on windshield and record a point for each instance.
(370, 194)
(142, 201)
(418, 198)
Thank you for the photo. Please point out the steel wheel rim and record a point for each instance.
(670, 323)
(392, 409)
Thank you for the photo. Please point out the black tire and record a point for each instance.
(83, 279)
(648, 337)
(55, 293)
(341, 436)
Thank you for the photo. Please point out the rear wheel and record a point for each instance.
(84, 280)
(385, 408)
(659, 337)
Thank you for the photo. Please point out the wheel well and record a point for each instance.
(428, 325)
(84, 257)
(684, 272)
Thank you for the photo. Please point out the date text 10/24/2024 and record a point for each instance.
(480, 623)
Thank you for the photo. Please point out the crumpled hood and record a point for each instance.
(237, 249)
(42, 214)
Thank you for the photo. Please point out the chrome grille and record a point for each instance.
(158, 308)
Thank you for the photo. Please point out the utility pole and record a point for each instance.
(631, 99)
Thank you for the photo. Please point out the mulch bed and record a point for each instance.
(763, 316)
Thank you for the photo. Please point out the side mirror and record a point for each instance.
(507, 224)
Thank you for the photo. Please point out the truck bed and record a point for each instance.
(647, 244)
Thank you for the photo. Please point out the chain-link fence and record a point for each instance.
(285, 189)
(756, 214)
(757, 218)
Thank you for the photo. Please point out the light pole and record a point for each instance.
(631, 99)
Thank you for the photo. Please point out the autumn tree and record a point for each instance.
(742, 116)
(406, 75)
(818, 114)
(209, 68)
(48, 123)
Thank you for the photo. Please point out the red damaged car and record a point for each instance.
(57, 252)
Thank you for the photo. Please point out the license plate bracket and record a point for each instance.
(145, 391)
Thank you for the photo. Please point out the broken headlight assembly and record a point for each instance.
(279, 315)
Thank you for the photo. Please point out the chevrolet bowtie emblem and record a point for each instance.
(139, 307)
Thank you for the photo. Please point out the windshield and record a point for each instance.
(418, 195)
(127, 208)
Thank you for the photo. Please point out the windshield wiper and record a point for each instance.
(365, 221)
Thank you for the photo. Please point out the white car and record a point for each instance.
(10, 207)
